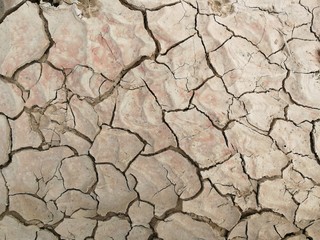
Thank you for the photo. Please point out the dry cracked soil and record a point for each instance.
(159, 119)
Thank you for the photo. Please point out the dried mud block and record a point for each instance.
(23, 28)
(182, 226)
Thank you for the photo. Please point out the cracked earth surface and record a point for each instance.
(159, 119)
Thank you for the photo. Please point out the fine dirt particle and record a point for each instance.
(318, 55)
(1, 8)
(221, 7)
(89, 8)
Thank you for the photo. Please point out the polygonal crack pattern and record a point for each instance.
(163, 119)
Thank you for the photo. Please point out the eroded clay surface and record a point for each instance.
(159, 120)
